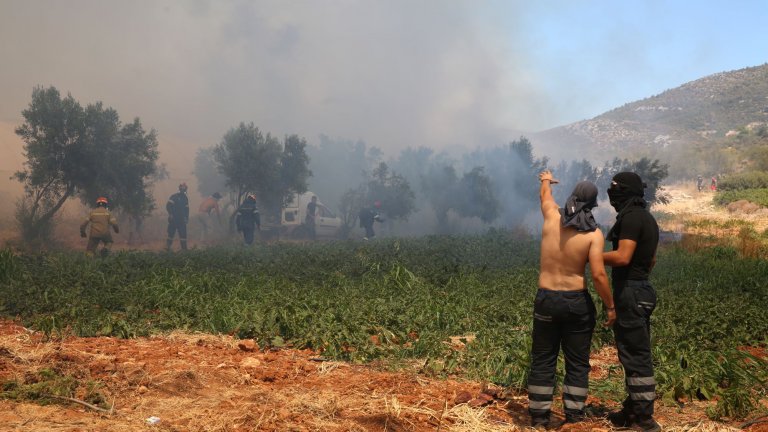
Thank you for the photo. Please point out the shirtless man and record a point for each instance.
(564, 314)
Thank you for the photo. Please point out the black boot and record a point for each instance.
(621, 418)
(647, 424)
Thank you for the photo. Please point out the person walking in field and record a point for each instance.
(309, 220)
(634, 238)
(713, 184)
(208, 208)
(248, 219)
(178, 217)
(563, 312)
(100, 220)
(369, 215)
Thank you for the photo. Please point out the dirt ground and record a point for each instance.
(201, 382)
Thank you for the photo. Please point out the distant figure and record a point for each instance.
(713, 184)
(205, 212)
(309, 220)
(699, 183)
(369, 215)
(248, 219)
(178, 216)
(100, 219)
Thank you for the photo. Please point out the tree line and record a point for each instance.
(86, 152)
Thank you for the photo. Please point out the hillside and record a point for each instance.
(701, 111)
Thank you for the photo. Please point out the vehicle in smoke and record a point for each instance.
(293, 216)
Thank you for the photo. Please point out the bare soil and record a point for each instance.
(201, 382)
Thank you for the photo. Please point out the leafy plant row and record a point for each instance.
(401, 299)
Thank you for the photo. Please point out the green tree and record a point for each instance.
(209, 179)
(87, 153)
(439, 186)
(476, 197)
(470, 196)
(393, 191)
(254, 162)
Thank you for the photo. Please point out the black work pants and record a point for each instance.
(179, 226)
(248, 235)
(635, 301)
(561, 319)
(369, 230)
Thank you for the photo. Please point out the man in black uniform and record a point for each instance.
(635, 236)
(178, 216)
(310, 218)
(367, 216)
(248, 218)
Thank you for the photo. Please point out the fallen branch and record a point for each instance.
(78, 401)
(761, 419)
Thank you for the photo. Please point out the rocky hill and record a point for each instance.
(699, 111)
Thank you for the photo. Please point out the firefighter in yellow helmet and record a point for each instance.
(100, 219)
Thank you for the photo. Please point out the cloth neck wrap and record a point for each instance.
(630, 204)
(577, 212)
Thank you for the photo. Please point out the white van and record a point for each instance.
(327, 224)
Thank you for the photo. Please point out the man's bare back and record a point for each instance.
(565, 251)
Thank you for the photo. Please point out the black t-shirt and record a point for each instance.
(311, 207)
(639, 225)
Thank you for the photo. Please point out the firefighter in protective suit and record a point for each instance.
(178, 216)
(100, 220)
(248, 219)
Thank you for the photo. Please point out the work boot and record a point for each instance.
(647, 424)
(168, 244)
(574, 417)
(621, 418)
(540, 422)
(184, 244)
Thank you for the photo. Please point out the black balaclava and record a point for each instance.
(625, 193)
(626, 187)
(578, 208)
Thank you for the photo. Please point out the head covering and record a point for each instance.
(216, 195)
(102, 201)
(626, 195)
(183, 187)
(626, 187)
(577, 212)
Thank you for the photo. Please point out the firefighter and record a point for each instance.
(369, 215)
(309, 219)
(634, 238)
(248, 219)
(100, 219)
(178, 216)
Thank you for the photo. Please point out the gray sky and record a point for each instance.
(394, 73)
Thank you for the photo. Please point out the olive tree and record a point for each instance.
(73, 151)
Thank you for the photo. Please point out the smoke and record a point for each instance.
(395, 73)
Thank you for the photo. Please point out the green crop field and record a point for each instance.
(413, 295)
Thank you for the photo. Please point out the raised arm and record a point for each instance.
(548, 204)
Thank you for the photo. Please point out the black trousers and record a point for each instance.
(369, 230)
(635, 301)
(248, 235)
(173, 227)
(561, 319)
